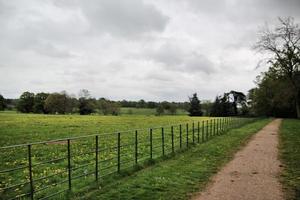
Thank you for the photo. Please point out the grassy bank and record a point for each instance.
(290, 155)
(180, 176)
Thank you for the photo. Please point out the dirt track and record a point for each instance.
(253, 173)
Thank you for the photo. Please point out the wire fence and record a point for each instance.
(47, 169)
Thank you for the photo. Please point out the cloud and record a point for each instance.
(120, 18)
(150, 49)
(173, 57)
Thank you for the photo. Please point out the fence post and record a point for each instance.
(96, 158)
(214, 126)
(163, 141)
(221, 123)
(151, 143)
(218, 126)
(172, 134)
(211, 128)
(226, 123)
(203, 131)
(180, 136)
(198, 131)
(30, 172)
(136, 147)
(193, 133)
(187, 135)
(206, 130)
(119, 152)
(69, 165)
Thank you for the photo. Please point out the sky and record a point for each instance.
(153, 49)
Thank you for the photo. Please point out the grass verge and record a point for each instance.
(290, 156)
(180, 176)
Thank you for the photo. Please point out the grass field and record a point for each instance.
(290, 155)
(182, 175)
(49, 159)
(146, 111)
(24, 128)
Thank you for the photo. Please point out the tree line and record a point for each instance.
(64, 103)
(60, 103)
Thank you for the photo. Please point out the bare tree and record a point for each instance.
(283, 44)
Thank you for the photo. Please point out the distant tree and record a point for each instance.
(166, 105)
(2, 103)
(216, 107)
(115, 108)
(86, 103)
(283, 44)
(222, 107)
(206, 107)
(104, 106)
(26, 102)
(57, 103)
(86, 106)
(152, 104)
(172, 109)
(11, 104)
(238, 99)
(195, 106)
(109, 107)
(160, 110)
(141, 104)
(84, 93)
(39, 102)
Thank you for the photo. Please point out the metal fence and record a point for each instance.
(42, 170)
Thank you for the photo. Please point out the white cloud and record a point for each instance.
(151, 49)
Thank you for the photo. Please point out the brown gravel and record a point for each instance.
(253, 173)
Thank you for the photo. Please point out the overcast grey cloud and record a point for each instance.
(151, 49)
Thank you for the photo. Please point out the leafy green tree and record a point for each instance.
(39, 102)
(160, 110)
(172, 109)
(2, 103)
(104, 106)
(238, 99)
(195, 106)
(26, 102)
(283, 44)
(86, 103)
(109, 107)
(115, 108)
(273, 96)
(152, 104)
(86, 106)
(57, 103)
(206, 107)
(141, 104)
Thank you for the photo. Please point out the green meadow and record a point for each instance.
(101, 146)
(49, 159)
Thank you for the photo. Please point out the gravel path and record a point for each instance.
(253, 173)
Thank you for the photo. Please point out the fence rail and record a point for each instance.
(46, 169)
